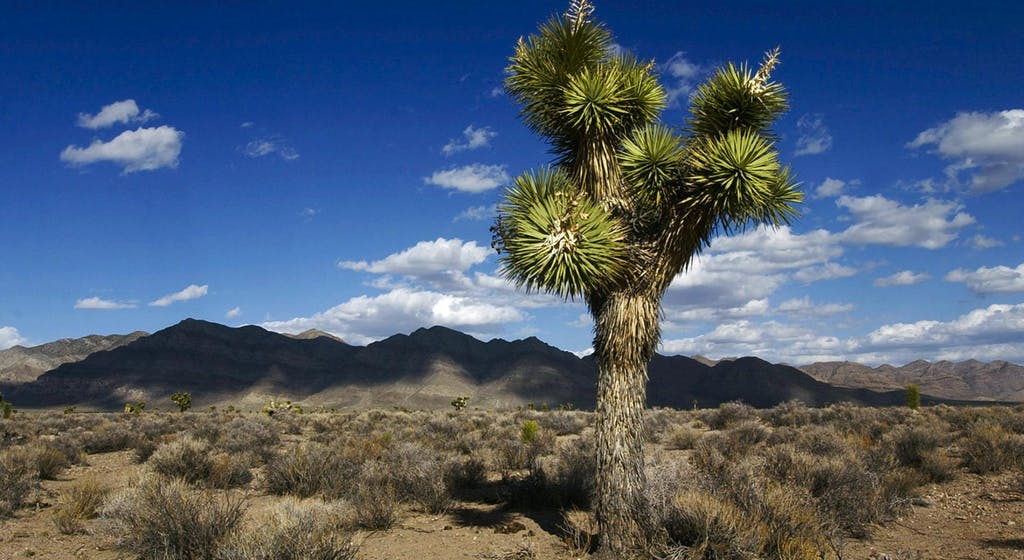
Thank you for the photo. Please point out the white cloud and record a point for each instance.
(886, 222)
(426, 258)
(269, 145)
(473, 178)
(684, 74)
(901, 278)
(804, 307)
(477, 213)
(119, 112)
(191, 292)
(771, 340)
(983, 334)
(100, 303)
(989, 145)
(736, 275)
(815, 137)
(233, 313)
(142, 149)
(9, 336)
(829, 188)
(496, 91)
(364, 319)
(827, 271)
(982, 242)
(994, 280)
(247, 124)
(473, 138)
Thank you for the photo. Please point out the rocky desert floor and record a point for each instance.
(499, 506)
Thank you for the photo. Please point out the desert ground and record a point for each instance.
(733, 483)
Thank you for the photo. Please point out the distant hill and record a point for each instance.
(246, 366)
(20, 364)
(970, 379)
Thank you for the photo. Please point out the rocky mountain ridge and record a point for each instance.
(248, 365)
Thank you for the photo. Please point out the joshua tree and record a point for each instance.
(913, 396)
(624, 208)
(183, 400)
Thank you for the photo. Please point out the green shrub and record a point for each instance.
(913, 396)
(183, 400)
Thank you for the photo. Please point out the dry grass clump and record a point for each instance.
(311, 469)
(77, 503)
(186, 457)
(988, 448)
(18, 476)
(293, 530)
(168, 519)
(727, 414)
(258, 436)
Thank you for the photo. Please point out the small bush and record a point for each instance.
(293, 530)
(186, 458)
(77, 503)
(311, 469)
(682, 437)
(17, 479)
(170, 520)
(464, 473)
(417, 475)
(700, 526)
(988, 448)
(374, 500)
(727, 414)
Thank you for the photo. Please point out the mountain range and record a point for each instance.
(247, 366)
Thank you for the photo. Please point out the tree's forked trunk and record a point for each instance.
(626, 334)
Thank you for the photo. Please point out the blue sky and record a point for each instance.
(335, 166)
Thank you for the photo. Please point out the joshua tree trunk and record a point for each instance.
(626, 335)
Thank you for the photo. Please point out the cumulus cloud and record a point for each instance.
(827, 271)
(100, 303)
(425, 258)
(270, 145)
(982, 242)
(815, 137)
(770, 340)
(477, 213)
(829, 188)
(142, 149)
(364, 319)
(473, 178)
(233, 313)
(118, 112)
(982, 334)
(191, 292)
(990, 280)
(988, 146)
(881, 221)
(684, 74)
(804, 307)
(901, 278)
(737, 274)
(472, 139)
(9, 336)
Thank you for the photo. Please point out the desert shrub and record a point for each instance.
(17, 478)
(374, 500)
(564, 423)
(847, 494)
(293, 530)
(258, 435)
(682, 437)
(702, 526)
(49, 461)
(230, 471)
(911, 444)
(727, 414)
(465, 472)
(792, 413)
(787, 465)
(110, 436)
(143, 449)
(788, 527)
(77, 503)
(303, 471)
(170, 520)
(749, 433)
(821, 441)
(417, 475)
(726, 477)
(186, 457)
(569, 476)
(988, 448)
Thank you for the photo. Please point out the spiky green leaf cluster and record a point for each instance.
(554, 239)
(732, 99)
(650, 161)
(737, 178)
